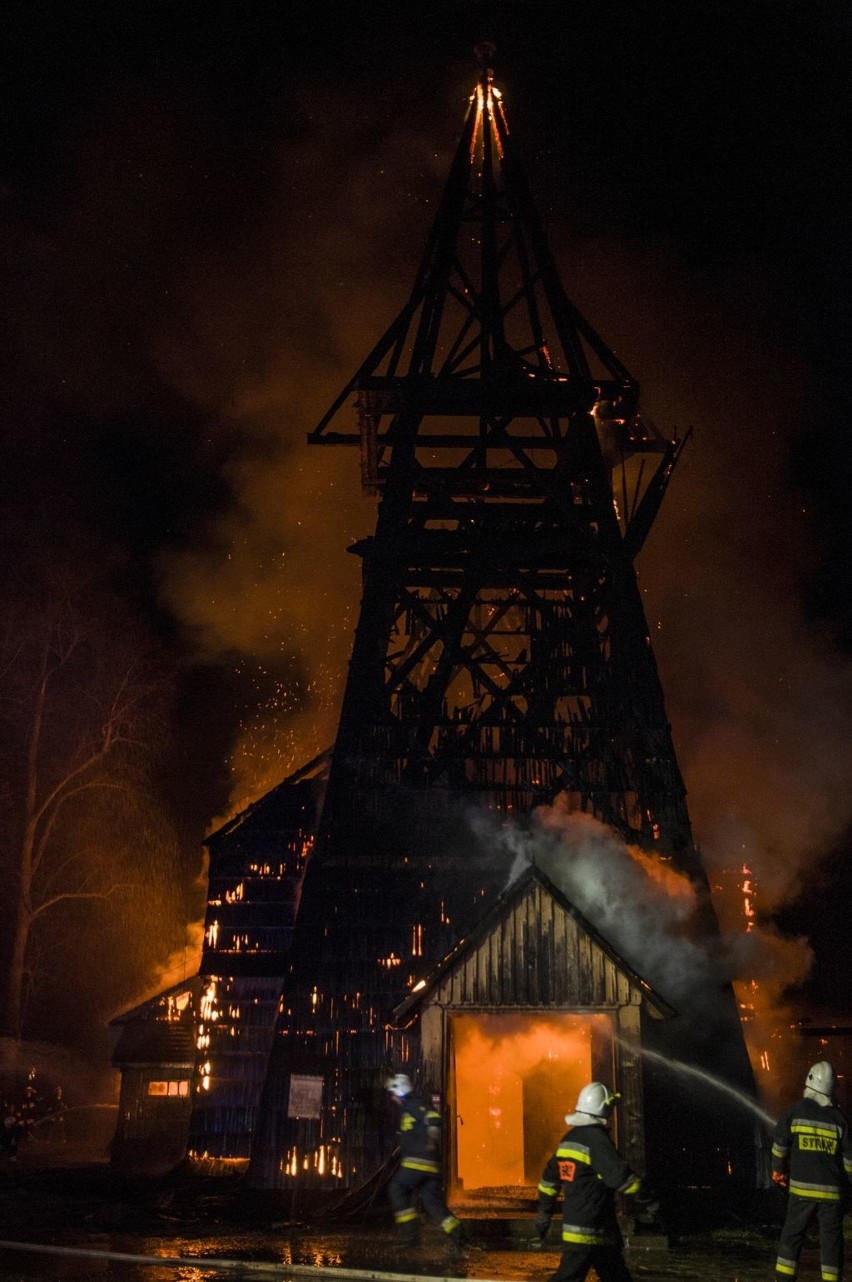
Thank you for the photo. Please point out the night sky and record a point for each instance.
(210, 213)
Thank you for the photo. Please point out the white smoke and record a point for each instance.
(646, 910)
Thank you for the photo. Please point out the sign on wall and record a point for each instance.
(305, 1096)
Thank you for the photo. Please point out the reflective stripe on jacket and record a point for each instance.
(418, 1136)
(812, 1146)
(590, 1171)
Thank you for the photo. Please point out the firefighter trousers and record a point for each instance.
(800, 1212)
(607, 1261)
(405, 1188)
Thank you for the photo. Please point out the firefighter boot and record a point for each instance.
(407, 1223)
(456, 1243)
(408, 1233)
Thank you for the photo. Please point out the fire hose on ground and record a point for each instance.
(267, 1268)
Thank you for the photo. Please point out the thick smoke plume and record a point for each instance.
(269, 585)
(759, 700)
(647, 911)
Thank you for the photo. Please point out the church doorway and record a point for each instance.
(513, 1077)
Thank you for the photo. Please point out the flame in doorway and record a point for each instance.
(516, 1076)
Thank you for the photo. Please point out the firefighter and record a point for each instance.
(10, 1134)
(418, 1175)
(812, 1160)
(29, 1109)
(590, 1171)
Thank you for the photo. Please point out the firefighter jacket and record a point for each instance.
(811, 1146)
(590, 1171)
(419, 1136)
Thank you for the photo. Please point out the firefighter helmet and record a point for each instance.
(399, 1085)
(821, 1080)
(596, 1101)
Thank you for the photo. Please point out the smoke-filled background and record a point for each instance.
(211, 212)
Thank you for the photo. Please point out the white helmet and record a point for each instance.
(399, 1085)
(820, 1082)
(594, 1101)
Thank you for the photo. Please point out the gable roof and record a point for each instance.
(506, 903)
(284, 803)
(148, 1009)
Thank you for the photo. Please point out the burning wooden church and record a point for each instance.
(502, 663)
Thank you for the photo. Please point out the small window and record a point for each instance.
(174, 1088)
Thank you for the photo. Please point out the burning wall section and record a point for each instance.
(256, 866)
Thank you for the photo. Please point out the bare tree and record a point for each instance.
(81, 701)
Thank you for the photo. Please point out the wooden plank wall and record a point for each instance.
(536, 956)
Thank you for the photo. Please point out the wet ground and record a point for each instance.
(97, 1224)
(733, 1262)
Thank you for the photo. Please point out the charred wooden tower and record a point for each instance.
(501, 661)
